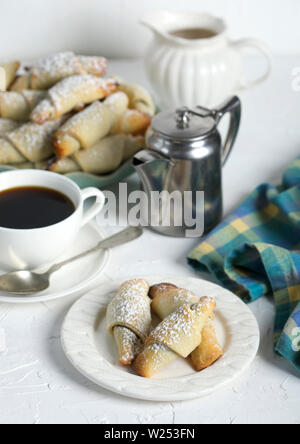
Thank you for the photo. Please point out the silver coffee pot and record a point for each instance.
(182, 163)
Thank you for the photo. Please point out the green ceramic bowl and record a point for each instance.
(85, 180)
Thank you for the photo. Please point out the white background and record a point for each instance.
(30, 28)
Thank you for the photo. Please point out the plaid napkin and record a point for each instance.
(256, 251)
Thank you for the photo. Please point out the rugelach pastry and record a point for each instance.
(71, 92)
(166, 299)
(102, 158)
(132, 122)
(176, 336)
(129, 318)
(51, 70)
(7, 125)
(28, 142)
(139, 98)
(18, 105)
(10, 72)
(87, 127)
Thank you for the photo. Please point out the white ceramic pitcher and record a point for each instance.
(191, 72)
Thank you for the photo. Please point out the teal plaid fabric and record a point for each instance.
(256, 251)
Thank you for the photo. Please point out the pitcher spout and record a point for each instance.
(158, 22)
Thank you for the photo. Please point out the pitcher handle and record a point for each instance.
(263, 50)
(232, 106)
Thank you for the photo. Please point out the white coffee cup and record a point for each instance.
(33, 248)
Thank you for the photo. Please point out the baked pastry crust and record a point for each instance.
(130, 310)
(166, 299)
(177, 335)
(28, 142)
(90, 125)
(52, 69)
(139, 98)
(10, 72)
(18, 105)
(102, 158)
(71, 92)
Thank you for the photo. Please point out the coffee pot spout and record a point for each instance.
(146, 156)
(150, 166)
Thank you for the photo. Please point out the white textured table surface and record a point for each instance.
(38, 385)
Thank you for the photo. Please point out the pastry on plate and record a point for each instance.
(176, 336)
(28, 142)
(71, 92)
(102, 158)
(52, 69)
(132, 122)
(166, 299)
(18, 105)
(139, 98)
(89, 126)
(129, 318)
(7, 125)
(10, 72)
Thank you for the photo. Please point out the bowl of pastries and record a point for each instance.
(64, 114)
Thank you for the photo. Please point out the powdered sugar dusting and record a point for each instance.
(34, 141)
(131, 307)
(7, 125)
(94, 65)
(64, 63)
(93, 113)
(80, 83)
(179, 324)
(130, 344)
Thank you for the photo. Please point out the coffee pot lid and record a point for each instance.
(185, 123)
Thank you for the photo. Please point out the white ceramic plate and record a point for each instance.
(72, 278)
(93, 352)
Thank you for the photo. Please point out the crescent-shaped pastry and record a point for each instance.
(18, 106)
(69, 93)
(10, 72)
(51, 70)
(129, 318)
(90, 125)
(9, 155)
(102, 158)
(7, 125)
(166, 299)
(21, 83)
(132, 122)
(139, 98)
(177, 335)
(29, 142)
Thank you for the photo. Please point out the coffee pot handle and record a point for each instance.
(232, 106)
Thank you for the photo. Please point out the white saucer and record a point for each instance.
(72, 278)
(93, 352)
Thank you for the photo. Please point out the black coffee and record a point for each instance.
(194, 33)
(26, 208)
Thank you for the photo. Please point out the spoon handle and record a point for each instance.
(125, 236)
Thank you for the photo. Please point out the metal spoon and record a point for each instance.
(28, 282)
